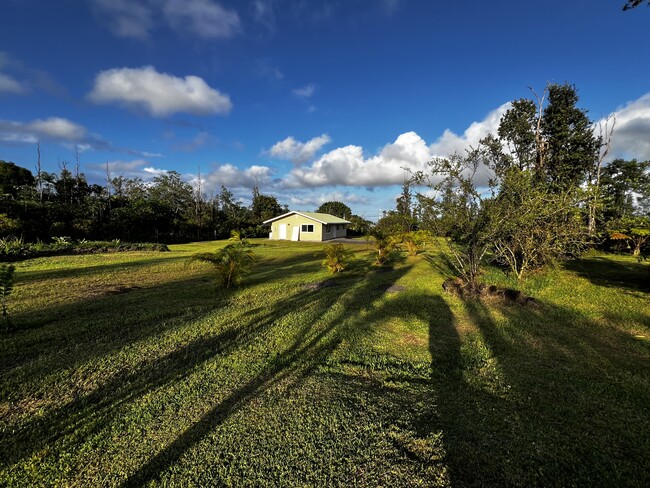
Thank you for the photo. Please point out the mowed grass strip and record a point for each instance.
(131, 369)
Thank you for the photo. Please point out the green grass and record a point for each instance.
(131, 369)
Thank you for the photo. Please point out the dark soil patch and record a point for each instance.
(122, 289)
(458, 287)
(391, 288)
(319, 284)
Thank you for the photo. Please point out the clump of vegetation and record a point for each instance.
(6, 286)
(336, 257)
(383, 243)
(633, 231)
(413, 242)
(15, 248)
(230, 263)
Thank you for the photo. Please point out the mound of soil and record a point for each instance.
(458, 287)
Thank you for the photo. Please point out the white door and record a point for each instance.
(295, 235)
(283, 231)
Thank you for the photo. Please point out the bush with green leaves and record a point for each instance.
(6, 286)
(336, 257)
(230, 263)
(383, 243)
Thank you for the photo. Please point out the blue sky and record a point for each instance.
(314, 100)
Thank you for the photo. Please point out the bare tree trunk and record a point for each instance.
(605, 139)
(39, 173)
(541, 145)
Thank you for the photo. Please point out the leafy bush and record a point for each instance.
(384, 244)
(336, 256)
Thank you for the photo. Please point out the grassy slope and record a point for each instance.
(130, 369)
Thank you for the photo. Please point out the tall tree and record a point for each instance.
(338, 209)
(572, 145)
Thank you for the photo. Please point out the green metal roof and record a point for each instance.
(323, 218)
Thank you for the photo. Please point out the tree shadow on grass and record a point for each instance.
(602, 271)
(575, 396)
(69, 426)
(310, 348)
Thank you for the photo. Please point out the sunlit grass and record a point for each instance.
(131, 369)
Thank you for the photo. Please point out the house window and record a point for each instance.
(338, 226)
(307, 228)
(327, 229)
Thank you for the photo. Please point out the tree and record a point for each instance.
(572, 145)
(634, 230)
(403, 202)
(337, 209)
(630, 4)
(625, 188)
(533, 226)
(384, 244)
(265, 207)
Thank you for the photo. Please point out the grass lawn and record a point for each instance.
(130, 369)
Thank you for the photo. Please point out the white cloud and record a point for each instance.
(298, 152)
(59, 130)
(204, 18)
(54, 129)
(136, 20)
(233, 177)
(451, 143)
(119, 166)
(348, 165)
(311, 200)
(158, 93)
(10, 85)
(631, 139)
(306, 91)
(126, 18)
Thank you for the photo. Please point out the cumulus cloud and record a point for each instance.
(160, 94)
(631, 137)
(59, 130)
(306, 91)
(136, 20)
(53, 129)
(348, 165)
(204, 18)
(298, 152)
(311, 200)
(10, 85)
(233, 177)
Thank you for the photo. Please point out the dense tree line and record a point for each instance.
(166, 209)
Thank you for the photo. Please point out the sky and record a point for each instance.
(313, 100)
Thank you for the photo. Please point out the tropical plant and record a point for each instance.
(6, 286)
(383, 243)
(635, 231)
(412, 243)
(230, 263)
(336, 257)
(237, 237)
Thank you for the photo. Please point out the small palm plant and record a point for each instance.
(412, 244)
(237, 237)
(384, 244)
(6, 286)
(230, 263)
(336, 257)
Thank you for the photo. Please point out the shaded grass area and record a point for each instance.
(134, 371)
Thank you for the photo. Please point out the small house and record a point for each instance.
(307, 226)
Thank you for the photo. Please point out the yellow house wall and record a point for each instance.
(296, 220)
(318, 235)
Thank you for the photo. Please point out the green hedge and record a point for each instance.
(15, 249)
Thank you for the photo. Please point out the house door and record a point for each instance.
(283, 231)
(295, 235)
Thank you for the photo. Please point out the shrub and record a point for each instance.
(336, 256)
(6, 286)
(230, 263)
